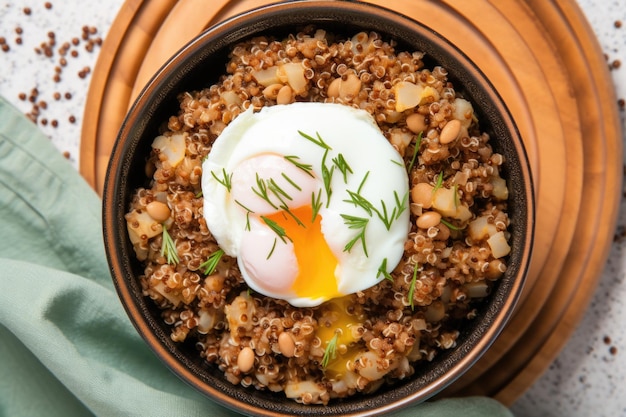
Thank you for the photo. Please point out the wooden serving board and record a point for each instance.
(543, 58)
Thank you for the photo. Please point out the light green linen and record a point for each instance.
(67, 347)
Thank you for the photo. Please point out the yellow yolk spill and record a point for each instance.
(316, 262)
(335, 319)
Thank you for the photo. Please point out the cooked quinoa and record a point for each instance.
(453, 254)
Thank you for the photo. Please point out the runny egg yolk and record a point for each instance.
(336, 327)
(316, 262)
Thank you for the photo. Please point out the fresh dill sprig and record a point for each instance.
(304, 167)
(262, 191)
(360, 201)
(412, 287)
(226, 181)
(359, 223)
(248, 211)
(272, 250)
(327, 175)
(393, 161)
(400, 204)
(383, 214)
(343, 166)
(418, 143)
(319, 141)
(209, 266)
(382, 269)
(450, 225)
(386, 217)
(168, 248)
(358, 190)
(280, 232)
(199, 194)
(438, 182)
(287, 210)
(330, 352)
(316, 203)
(290, 181)
(275, 188)
(279, 193)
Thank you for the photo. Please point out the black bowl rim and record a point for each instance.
(116, 240)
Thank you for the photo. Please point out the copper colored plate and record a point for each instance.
(545, 62)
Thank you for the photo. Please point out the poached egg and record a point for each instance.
(310, 198)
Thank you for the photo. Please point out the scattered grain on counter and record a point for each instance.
(56, 53)
(617, 24)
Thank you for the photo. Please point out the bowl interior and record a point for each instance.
(198, 65)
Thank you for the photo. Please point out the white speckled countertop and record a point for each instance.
(589, 375)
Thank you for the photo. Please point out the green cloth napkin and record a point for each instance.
(67, 347)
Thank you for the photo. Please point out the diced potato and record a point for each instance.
(173, 297)
(238, 313)
(267, 76)
(292, 73)
(444, 201)
(480, 228)
(476, 289)
(370, 366)
(500, 190)
(208, 317)
(297, 389)
(463, 111)
(141, 224)
(408, 95)
(499, 246)
(230, 97)
(435, 312)
(400, 140)
(173, 147)
(429, 95)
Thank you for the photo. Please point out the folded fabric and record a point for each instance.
(67, 347)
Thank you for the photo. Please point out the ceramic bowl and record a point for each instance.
(199, 64)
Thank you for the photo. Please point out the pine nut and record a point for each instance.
(416, 122)
(285, 95)
(271, 92)
(333, 88)
(286, 345)
(350, 87)
(450, 132)
(245, 360)
(428, 220)
(422, 194)
(158, 211)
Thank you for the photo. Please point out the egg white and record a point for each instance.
(378, 174)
